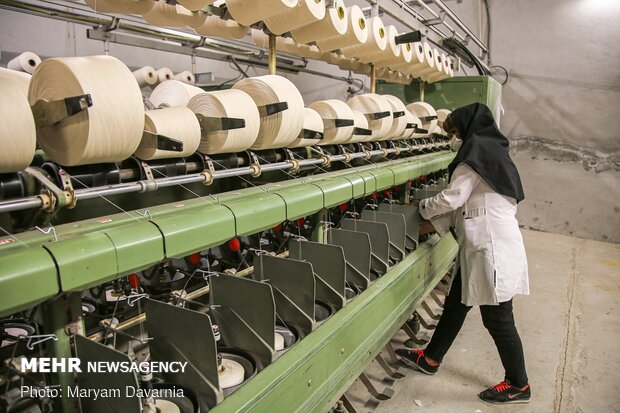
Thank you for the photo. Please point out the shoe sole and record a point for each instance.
(416, 366)
(520, 401)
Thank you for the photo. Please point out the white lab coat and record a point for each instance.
(491, 252)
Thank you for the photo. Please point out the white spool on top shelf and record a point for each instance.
(360, 122)
(428, 63)
(110, 130)
(145, 76)
(391, 54)
(230, 103)
(422, 110)
(331, 110)
(306, 12)
(195, 5)
(176, 123)
(215, 26)
(121, 6)
(18, 135)
(190, 18)
(333, 24)
(247, 12)
(400, 122)
(375, 43)
(24, 62)
(279, 129)
(371, 104)
(20, 79)
(312, 123)
(442, 115)
(164, 74)
(443, 70)
(172, 93)
(185, 77)
(357, 32)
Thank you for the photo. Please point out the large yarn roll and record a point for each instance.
(195, 5)
(25, 62)
(164, 74)
(360, 121)
(189, 18)
(230, 103)
(145, 76)
(371, 103)
(442, 72)
(20, 79)
(313, 123)
(391, 53)
(121, 6)
(163, 14)
(306, 12)
(247, 12)
(415, 59)
(279, 129)
(333, 24)
(410, 119)
(110, 130)
(428, 63)
(421, 110)
(185, 77)
(357, 32)
(176, 123)
(172, 93)
(400, 123)
(331, 110)
(442, 115)
(18, 136)
(214, 26)
(375, 43)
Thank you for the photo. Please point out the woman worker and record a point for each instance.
(479, 207)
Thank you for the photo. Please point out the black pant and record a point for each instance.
(498, 319)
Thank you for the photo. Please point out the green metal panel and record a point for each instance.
(27, 277)
(358, 183)
(402, 172)
(370, 182)
(256, 213)
(335, 191)
(194, 229)
(384, 178)
(301, 200)
(138, 246)
(314, 373)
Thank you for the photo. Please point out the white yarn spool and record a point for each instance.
(442, 115)
(20, 79)
(371, 103)
(189, 18)
(400, 123)
(306, 12)
(421, 110)
(427, 65)
(331, 110)
(410, 119)
(333, 24)
(247, 12)
(164, 74)
(24, 62)
(172, 93)
(442, 72)
(110, 130)
(360, 121)
(230, 103)
(185, 77)
(312, 122)
(357, 32)
(229, 29)
(375, 43)
(176, 123)
(18, 135)
(195, 5)
(163, 14)
(145, 76)
(390, 54)
(121, 6)
(279, 129)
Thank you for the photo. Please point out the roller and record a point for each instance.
(377, 110)
(334, 24)
(247, 12)
(306, 12)
(337, 121)
(312, 131)
(18, 134)
(20, 79)
(177, 123)
(172, 93)
(357, 32)
(399, 120)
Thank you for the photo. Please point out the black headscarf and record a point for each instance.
(485, 149)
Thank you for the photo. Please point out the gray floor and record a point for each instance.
(570, 326)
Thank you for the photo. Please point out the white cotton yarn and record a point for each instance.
(24, 62)
(391, 53)
(312, 122)
(215, 26)
(176, 123)
(411, 120)
(331, 110)
(163, 14)
(357, 32)
(247, 12)
(172, 93)
(426, 65)
(360, 122)
(145, 76)
(185, 77)
(279, 129)
(189, 18)
(110, 130)
(18, 134)
(164, 74)
(306, 12)
(375, 43)
(400, 123)
(195, 5)
(370, 103)
(230, 103)
(423, 109)
(333, 24)
(442, 115)
(20, 79)
(121, 6)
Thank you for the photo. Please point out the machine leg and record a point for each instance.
(428, 326)
(347, 404)
(391, 352)
(386, 394)
(413, 341)
(430, 312)
(395, 373)
(436, 298)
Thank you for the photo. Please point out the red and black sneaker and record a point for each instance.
(505, 393)
(416, 359)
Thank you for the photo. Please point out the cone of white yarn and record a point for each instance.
(357, 32)
(333, 24)
(428, 63)
(306, 12)
(391, 52)
(17, 135)
(230, 103)
(164, 74)
(331, 110)
(247, 12)
(370, 104)
(185, 77)
(421, 110)
(176, 123)
(375, 43)
(172, 93)
(145, 76)
(312, 123)
(399, 122)
(215, 26)
(25, 62)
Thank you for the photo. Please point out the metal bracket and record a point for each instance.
(427, 118)
(411, 37)
(337, 123)
(47, 113)
(311, 134)
(377, 115)
(272, 109)
(208, 173)
(362, 131)
(399, 114)
(54, 197)
(151, 183)
(65, 180)
(210, 123)
(255, 165)
(165, 143)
